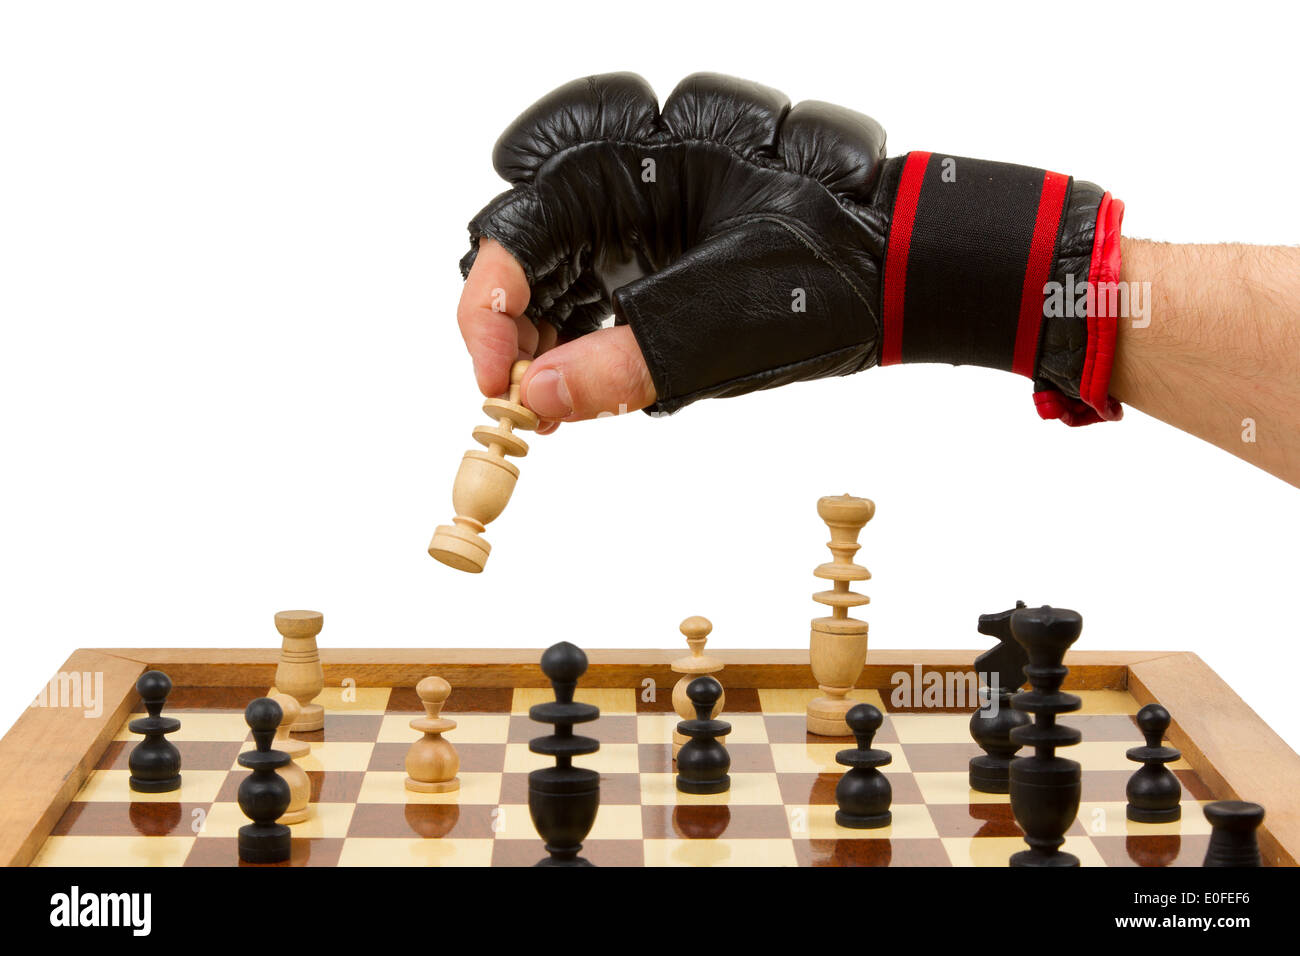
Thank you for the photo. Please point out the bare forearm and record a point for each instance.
(1218, 354)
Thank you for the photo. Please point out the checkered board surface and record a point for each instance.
(779, 811)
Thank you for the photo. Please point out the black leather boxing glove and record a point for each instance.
(757, 244)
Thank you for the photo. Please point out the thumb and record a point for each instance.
(600, 373)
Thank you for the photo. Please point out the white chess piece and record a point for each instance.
(297, 779)
(432, 761)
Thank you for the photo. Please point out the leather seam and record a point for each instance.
(792, 226)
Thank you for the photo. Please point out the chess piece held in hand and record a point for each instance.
(838, 644)
(485, 480)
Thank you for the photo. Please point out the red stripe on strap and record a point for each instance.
(900, 241)
(1037, 269)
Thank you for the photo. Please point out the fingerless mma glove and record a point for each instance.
(755, 244)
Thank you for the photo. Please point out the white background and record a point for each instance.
(231, 379)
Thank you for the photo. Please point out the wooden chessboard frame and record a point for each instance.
(50, 751)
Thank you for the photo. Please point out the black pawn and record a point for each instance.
(1153, 791)
(263, 794)
(563, 800)
(155, 762)
(703, 761)
(863, 793)
(1045, 788)
(1232, 838)
(1001, 671)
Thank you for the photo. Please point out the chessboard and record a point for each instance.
(65, 800)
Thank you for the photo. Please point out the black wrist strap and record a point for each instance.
(971, 245)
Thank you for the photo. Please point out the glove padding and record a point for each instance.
(759, 232)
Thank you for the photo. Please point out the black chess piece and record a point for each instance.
(863, 794)
(703, 761)
(1233, 841)
(263, 794)
(1001, 671)
(155, 762)
(563, 800)
(1045, 788)
(1153, 791)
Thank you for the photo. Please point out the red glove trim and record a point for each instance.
(1052, 404)
(1094, 385)
(900, 240)
(1038, 269)
(1094, 403)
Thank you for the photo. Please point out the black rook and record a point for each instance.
(1233, 841)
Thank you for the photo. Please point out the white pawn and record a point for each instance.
(297, 779)
(696, 630)
(432, 761)
(294, 747)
